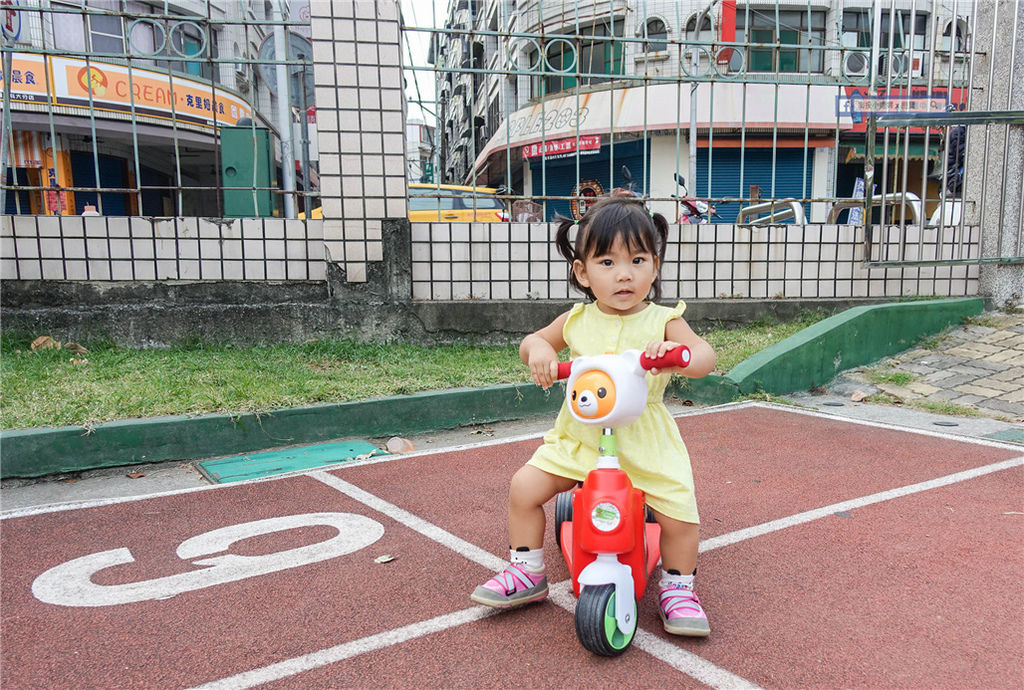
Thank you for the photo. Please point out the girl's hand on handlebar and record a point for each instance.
(543, 369)
(657, 350)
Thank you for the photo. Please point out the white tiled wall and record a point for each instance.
(361, 119)
(701, 262)
(97, 248)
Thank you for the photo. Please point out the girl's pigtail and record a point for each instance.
(661, 225)
(562, 242)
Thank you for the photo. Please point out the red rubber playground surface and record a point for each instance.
(834, 554)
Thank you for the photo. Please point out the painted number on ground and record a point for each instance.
(70, 583)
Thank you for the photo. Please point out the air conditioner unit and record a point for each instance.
(900, 64)
(856, 63)
(893, 65)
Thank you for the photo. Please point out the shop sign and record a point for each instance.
(857, 103)
(28, 78)
(151, 93)
(562, 148)
(113, 88)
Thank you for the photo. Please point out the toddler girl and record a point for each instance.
(615, 260)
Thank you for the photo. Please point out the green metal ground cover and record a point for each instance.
(1012, 435)
(271, 462)
(810, 358)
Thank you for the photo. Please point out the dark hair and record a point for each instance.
(605, 221)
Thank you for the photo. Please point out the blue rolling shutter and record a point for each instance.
(561, 173)
(83, 172)
(792, 179)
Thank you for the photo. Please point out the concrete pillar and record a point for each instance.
(995, 168)
(357, 71)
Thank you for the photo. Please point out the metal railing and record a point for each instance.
(772, 113)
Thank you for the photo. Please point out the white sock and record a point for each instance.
(669, 579)
(532, 559)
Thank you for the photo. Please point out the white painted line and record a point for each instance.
(417, 524)
(678, 658)
(727, 407)
(807, 516)
(559, 593)
(308, 662)
(981, 441)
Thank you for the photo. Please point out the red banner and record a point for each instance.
(562, 147)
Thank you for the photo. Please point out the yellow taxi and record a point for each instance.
(454, 203)
(449, 203)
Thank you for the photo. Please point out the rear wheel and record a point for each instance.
(596, 626)
(563, 513)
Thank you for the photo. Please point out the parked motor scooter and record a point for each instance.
(692, 211)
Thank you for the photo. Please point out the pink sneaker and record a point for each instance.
(681, 612)
(512, 587)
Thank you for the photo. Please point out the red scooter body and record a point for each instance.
(608, 497)
(602, 527)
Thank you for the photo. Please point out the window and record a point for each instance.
(657, 36)
(908, 46)
(961, 36)
(587, 58)
(162, 41)
(857, 25)
(705, 35)
(789, 28)
(94, 33)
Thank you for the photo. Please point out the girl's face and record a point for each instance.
(620, 279)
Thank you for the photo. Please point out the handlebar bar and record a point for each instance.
(676, 357)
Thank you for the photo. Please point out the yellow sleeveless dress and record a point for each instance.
(651, 450)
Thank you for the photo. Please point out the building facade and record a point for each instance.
(123, 107)
(745, 101)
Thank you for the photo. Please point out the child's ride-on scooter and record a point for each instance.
(612, 546)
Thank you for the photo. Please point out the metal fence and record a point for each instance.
(773, 114)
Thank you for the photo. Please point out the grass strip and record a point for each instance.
(57, 387)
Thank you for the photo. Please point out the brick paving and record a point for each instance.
(979, 365)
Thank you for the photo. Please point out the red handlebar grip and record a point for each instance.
(677, 357)
(564, 369)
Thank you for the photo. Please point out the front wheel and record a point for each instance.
(596, 627)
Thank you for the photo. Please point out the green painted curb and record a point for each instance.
(812, 357)
(713, 389)
(855, 337)
(39, 452)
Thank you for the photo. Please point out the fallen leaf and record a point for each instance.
(399, 445)
(135, 475)
(76, 348)
(386, 558)
(75, 360)
(44, 342)
(858, 396)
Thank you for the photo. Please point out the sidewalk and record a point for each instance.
(977, 366)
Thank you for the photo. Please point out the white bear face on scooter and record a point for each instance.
(607, 390)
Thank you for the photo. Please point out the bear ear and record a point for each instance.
(632, 358)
